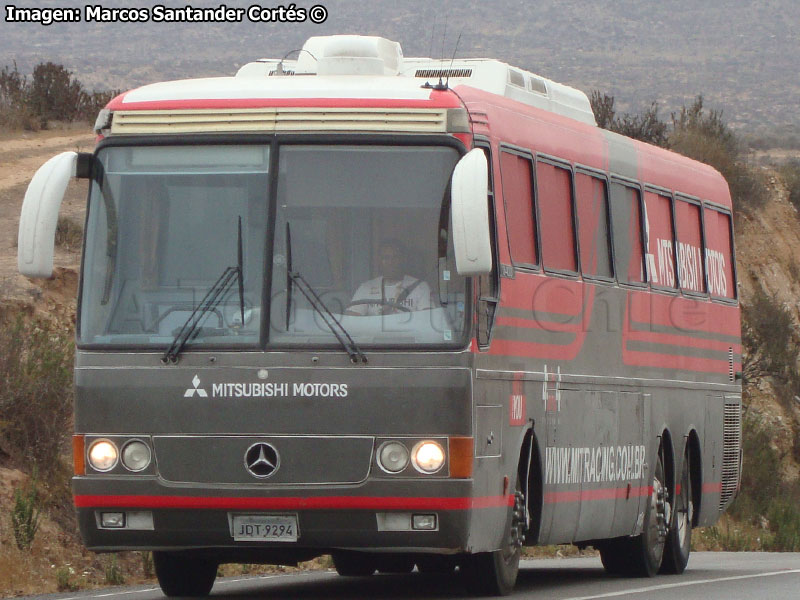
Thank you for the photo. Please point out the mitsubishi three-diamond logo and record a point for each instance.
(196, 389)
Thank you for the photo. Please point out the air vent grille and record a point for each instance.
(422, 120)
(731, 452)
(444, 73)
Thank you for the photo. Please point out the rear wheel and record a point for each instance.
(641, 556)
(353, 564)
(181, 576)
(679, 538)
(495, 573)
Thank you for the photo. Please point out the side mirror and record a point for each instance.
(37, 223)
(470, 214)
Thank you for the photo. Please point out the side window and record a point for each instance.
(488, 285)
(691, 273)
(554, 196)
(660, 240)
(719, 254)
(626, 222)
(591, 200)
(517, 174)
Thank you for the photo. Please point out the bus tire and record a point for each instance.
(641, 556)
(495, 573)
(181, 576)
(679, 539)
(353, 564)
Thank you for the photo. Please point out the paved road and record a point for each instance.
(710, 576)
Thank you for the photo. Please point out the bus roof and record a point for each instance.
(351, 70)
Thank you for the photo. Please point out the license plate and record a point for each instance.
(265, 528)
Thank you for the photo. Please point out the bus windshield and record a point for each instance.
(361, 231)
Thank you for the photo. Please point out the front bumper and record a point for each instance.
(327, 519)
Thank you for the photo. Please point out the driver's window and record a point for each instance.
(488, 285)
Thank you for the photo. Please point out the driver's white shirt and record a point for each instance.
(418, 299)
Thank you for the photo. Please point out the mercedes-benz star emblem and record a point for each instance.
(261, 460)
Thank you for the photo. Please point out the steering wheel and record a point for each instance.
(384, 303)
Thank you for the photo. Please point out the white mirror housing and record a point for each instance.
(39, 217)
(470, 214)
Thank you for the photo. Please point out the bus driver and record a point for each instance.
(392, 292)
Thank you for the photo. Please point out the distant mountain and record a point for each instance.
(743, 55)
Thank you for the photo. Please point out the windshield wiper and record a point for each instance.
(355, 353)
(209, 302)
(352, 349)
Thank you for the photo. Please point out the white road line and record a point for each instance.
(106, 595)
(155, 588)
(667, 586)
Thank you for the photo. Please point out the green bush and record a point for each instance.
(784, 522)
(64, 581)
(760, 471)
(148, 570)
(113, 572)
(25, 515)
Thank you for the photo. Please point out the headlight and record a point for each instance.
(136, 456)
(427, 456)
(103, 455)
(393, 457)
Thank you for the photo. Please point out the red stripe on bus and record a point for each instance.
(515, 348)
(599, 494)
(434, 101)
(296, 503)
(712, 488)
(680, 341)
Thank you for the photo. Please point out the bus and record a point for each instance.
(402, 311)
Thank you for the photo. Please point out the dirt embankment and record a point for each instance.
(768, 256)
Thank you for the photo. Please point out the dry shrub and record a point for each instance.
(790, 172)
(36, 393)
(69, 234)
(702, 134)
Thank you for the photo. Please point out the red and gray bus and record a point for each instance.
(406, 312)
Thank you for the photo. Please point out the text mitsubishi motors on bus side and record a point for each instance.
(403, 311)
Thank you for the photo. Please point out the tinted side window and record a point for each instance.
(554, 191)
(626, 222)
(591, 200)
(660, 249)
(517, 174)
(719, 254)
(691, 273)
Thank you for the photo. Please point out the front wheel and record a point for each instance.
(181, 576)
(495, 573)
